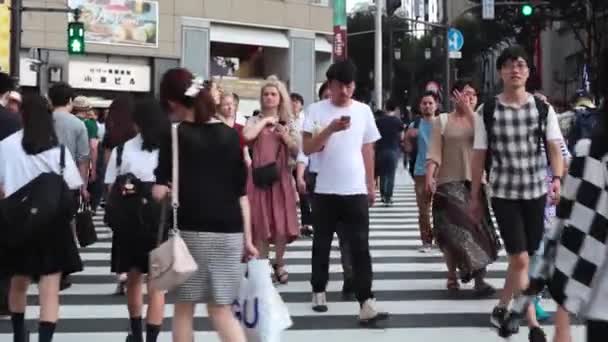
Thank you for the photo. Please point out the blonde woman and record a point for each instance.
(272, 140)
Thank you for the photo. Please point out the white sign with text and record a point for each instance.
(109, 76)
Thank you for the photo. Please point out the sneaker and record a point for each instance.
(369, 314)
(319, 302)
(537, 335)
(498, 317)
(426, 248)
(541, 314)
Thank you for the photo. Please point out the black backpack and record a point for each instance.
(130, 208)
(27, 213)
(585, 124)
(414, 153)
(489, 108)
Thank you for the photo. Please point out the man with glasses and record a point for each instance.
(511, 132)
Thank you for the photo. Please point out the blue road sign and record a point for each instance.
(456, 39)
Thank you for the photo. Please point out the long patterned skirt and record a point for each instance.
(472, 246)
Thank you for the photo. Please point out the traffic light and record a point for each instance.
(392, 6)
(76, 38)
(527, 10)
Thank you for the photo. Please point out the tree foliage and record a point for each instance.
(586, 19)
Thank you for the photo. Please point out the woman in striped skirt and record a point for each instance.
(213, 214)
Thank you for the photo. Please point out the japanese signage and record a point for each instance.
(119, 22)
(5, 35)
(109, 76)
(340, 36)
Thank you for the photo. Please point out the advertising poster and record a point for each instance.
(119, 22)
(5, 35)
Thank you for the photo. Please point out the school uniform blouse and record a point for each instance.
(17, 168)
(141, 163)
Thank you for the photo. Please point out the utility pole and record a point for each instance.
(391, 54)
(378, 56)
(15, 39)
(446, 23)
(16, 10)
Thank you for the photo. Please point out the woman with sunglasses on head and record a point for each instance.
(273, 141)
(213, 214)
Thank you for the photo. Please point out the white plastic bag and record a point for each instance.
(260, 308)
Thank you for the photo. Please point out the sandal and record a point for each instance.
(453, 284)
(280, 274)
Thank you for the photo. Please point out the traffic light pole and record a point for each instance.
(16, 10)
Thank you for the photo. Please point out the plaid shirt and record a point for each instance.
(519, 166)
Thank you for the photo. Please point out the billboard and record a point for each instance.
(5, 35)
(119, 22)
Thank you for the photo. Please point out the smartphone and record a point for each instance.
(345, 118)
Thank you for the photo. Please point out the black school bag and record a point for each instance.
(33, 209)
(130, 209)
(412, 155)
(489, 107)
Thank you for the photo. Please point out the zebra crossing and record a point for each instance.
(408, 284)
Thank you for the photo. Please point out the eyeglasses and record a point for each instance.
(514, 66)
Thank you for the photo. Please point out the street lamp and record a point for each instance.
(398, 54)
(427, 54)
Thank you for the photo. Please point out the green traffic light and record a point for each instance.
(76, 44)
(527, 10)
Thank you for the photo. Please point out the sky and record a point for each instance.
(351, 3)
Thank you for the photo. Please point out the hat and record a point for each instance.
(81, 103)
(584, 102)
(15, 96)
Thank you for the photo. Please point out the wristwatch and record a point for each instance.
(557, 177)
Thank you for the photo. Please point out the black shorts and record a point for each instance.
(521, 223)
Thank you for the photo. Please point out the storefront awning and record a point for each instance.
(249, 36)
(322, 45)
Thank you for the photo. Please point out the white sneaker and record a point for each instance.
(426, 248)
(319, 302)
(369, 313)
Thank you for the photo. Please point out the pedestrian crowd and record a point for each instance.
(489, 176)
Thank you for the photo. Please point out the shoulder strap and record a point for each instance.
(175, 173)
(489, 107)
(543, 112)
(119, 151)
(61, 159)
(417, 122)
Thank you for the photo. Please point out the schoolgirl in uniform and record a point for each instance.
(137, 236)
(24, 156)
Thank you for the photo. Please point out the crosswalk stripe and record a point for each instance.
(407, 283)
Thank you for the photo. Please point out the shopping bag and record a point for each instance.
(260, 308)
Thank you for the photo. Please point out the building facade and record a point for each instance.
(131, 43)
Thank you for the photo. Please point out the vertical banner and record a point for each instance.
(5, 35)
(340, 32)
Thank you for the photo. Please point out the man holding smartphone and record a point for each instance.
(344, 188)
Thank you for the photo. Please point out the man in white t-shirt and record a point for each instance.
(342, 132)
